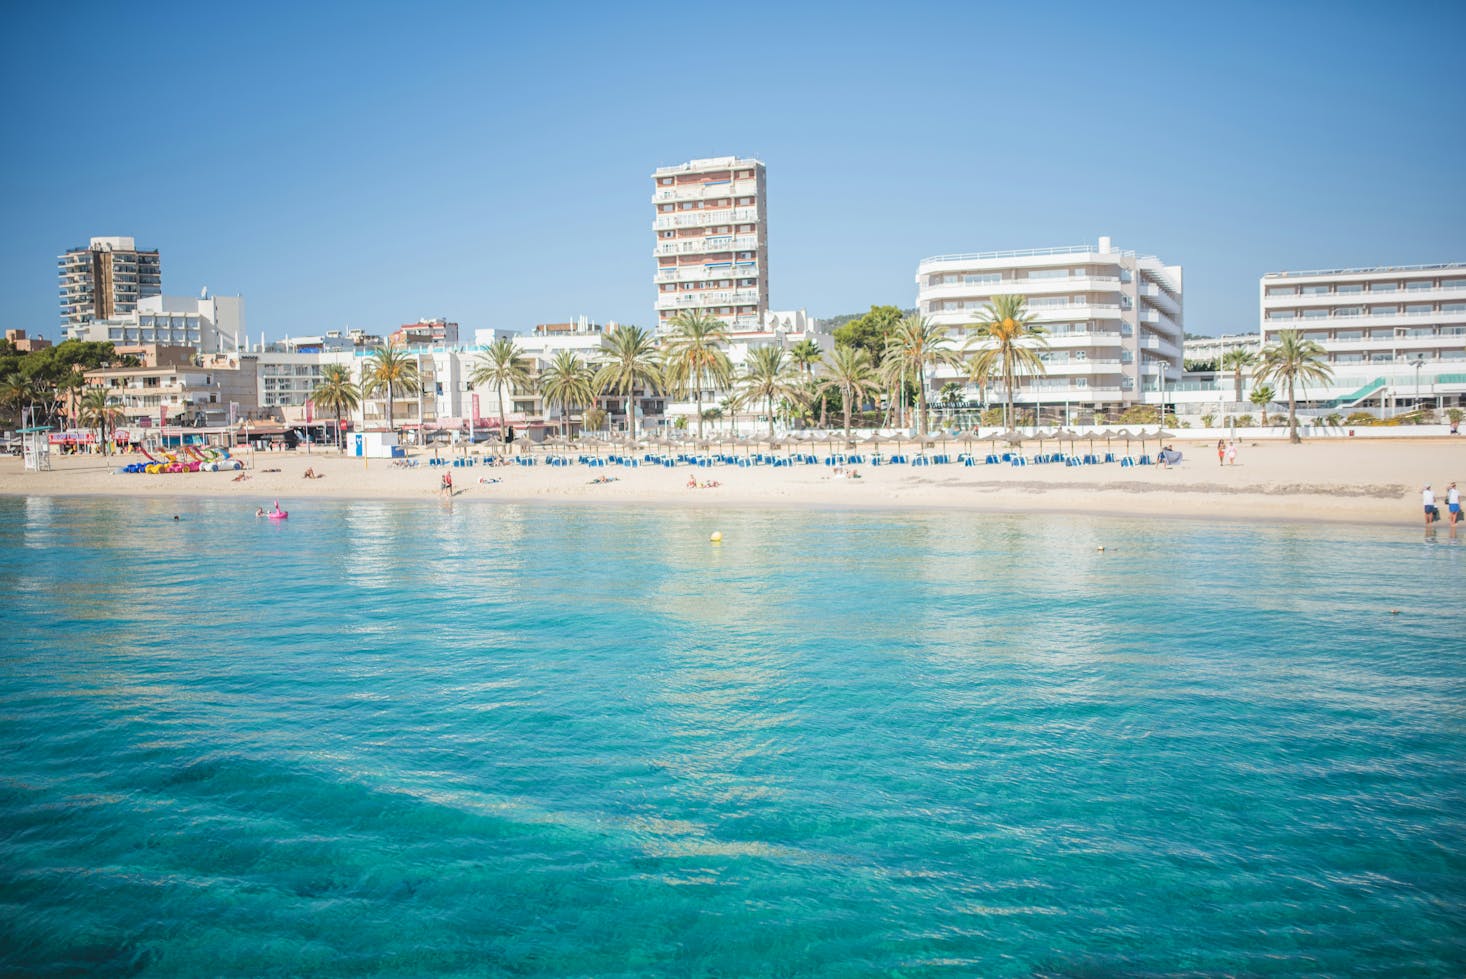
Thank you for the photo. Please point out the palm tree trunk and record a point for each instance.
(771, 418)
(921, 404)
(1292, 416)
(631, 414)
(697, 380)
(1237, 381)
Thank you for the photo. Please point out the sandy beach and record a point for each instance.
(1376, 481)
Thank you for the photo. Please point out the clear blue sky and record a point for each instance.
(367, 164)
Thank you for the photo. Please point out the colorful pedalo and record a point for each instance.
(170, 463)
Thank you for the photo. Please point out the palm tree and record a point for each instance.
(337, 393)
(1262, 396)
(804, 355)
(1293, 360)
(694, 353)
(390, 369)
(767, 375)
(568, 381)
(628, 363)
(1007, 344)
(501, 366)
(100, 410)
(849, 371)
(1235, 361)
(17, 391)
(68, 392)
(914, 345)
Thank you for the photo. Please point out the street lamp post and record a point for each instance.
(1419, 362)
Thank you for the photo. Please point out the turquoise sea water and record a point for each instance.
(406, 739)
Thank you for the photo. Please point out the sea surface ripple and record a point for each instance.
(393, 738)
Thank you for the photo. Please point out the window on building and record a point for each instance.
(1350, 288)
(1382, 287)
(1420, 284)
(1315, 290)
(1383, 310)
(1310, 314)
(1048, 274)
(982, 278)
(1418, 308)
(666, 181)
(1346, 310)
(1453, 283)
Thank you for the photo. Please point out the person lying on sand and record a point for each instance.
(486, 481)
(602, 479)
(240, 478)
(311, 473)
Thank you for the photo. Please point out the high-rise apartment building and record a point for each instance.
(1112, 318)
(712, 241)
(105, 280)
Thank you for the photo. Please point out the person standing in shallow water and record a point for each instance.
(1221, 452)
(1232, 453)
(1427, 497)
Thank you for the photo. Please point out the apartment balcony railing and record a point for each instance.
(737, 297)
(702, 192)
(704, 218)
(1363, 319)
(1335, 298)
(712, 243)
(701, 273)
(1021, 287)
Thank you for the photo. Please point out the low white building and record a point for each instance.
(1394, 336)
(1112, 319)
(209, 324)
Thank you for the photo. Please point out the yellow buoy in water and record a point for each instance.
(716, 537)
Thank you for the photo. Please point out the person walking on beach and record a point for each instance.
(1221, 452)
(1428, 498)
(1232, 453)
(1453, 502)
(447, 484)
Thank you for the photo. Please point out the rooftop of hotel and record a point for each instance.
(711, 163)
(1439, 267)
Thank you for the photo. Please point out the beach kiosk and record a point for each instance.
(376, 445)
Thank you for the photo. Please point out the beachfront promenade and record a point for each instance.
(1354, 480)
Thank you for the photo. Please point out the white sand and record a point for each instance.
(1375, 481)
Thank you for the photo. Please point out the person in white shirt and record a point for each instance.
(1428, 498)
(1453, 503)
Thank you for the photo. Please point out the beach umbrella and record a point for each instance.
(1123, 433)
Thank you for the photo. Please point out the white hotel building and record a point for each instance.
(1113, 319)
(712, 246)
(1394, 336)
